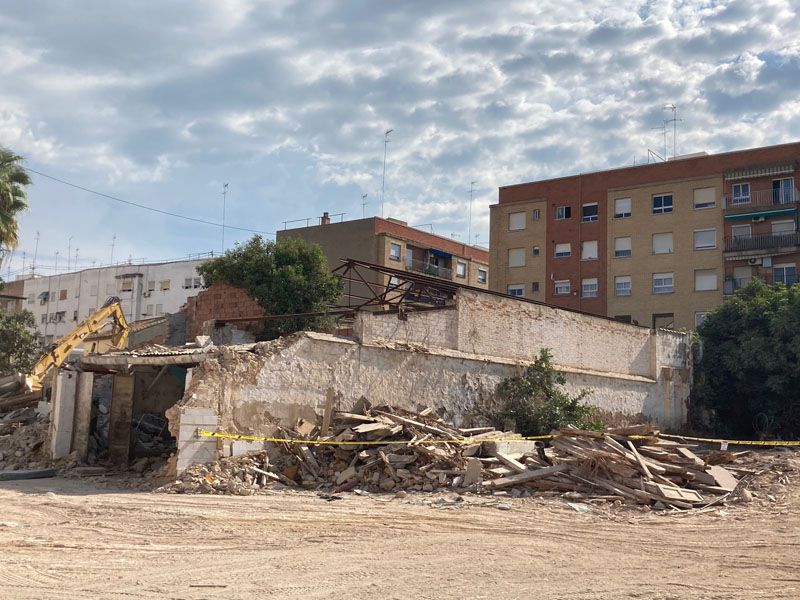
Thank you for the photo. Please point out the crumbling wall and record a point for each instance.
(433, 329)
(222, 301)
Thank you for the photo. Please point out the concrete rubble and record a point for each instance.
(389, 450)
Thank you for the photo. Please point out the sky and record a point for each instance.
(161, 103)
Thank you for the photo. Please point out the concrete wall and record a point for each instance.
(507, 328)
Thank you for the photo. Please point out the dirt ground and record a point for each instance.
(65, 538)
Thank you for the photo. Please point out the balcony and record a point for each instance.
(732, 284)
(767, 241)
(762, 199)
(426, 268)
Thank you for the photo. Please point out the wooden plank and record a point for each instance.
(529, 475)
(511, 463)
(345, 416)
(417, 424)
(723, 477)
(640, 462)
(688, 454)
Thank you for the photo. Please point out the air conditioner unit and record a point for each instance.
(754, 261)
(759, 219)
(146, 294)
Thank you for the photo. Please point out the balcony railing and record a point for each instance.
(762, 198)
(420, 266)
(762, 242)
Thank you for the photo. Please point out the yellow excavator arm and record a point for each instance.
(92, 324)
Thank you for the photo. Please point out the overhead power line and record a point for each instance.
(145, 207)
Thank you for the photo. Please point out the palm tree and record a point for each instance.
(13, 198)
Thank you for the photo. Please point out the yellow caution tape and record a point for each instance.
(731, 442)
(258, 438)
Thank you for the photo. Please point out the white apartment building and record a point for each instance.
(59, 302)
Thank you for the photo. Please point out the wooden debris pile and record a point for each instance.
(387, 450)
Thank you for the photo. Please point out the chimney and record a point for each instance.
(325, 219)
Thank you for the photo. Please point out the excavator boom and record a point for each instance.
(92, 324)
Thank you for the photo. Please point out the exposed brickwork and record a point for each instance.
(222, 301)
(430, 240)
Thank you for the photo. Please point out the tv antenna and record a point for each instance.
(674, 120)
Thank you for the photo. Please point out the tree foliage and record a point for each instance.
(286, 277)
(19, 348)
(13, 198)
(748, 374)
(536, 401)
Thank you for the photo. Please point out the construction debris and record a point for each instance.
(384, 449)
(23, 433)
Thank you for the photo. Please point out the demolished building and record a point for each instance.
(417, 342)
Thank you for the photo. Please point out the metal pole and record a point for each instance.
(469, 227)
(113, 241)
(383, 179)
(35, 254)
(224, 201)
(69, 251)
(364, 206)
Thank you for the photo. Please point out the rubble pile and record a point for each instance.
(23, 433)
(392, 450)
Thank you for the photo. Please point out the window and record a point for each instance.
(704, 198)
(62, 294)
(461, 269)
(705, 239)
(740, 194)
(60, 316)
(159, 310)
(535, 287)
(74, 315)
(705, 280)
(622, 285)
(782, 227)
(482, 273)
(394, 251)
(785, 273)
(663, 283)
(622, 208)
(662, 243)
(149, 310)
(409, 256)
(516, 257)
(164, 285)
(622, 247)
(563, 250)
(516, 221)
(589, 288)
(783, 191)
(31, 298)
(589, 250)
(699, 316)
(663, 320)
(93, 290)
(741, 231)
(562, 287)
(126, 284)
(662, 204)
(151, 286)
(197, 282)
(187, 283)
(563, 212)
(516, 289)
(536, 250)
(44, 318)
(589, 212)
(536, 214)
(44, 298)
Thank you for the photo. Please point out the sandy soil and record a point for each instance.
(64, 538)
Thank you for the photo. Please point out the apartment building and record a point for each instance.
(392, 243)
(659, 244)
(59, 302)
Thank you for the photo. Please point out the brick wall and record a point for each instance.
(222, 301)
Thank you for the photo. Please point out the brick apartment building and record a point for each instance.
(658, 244)
(392, 243)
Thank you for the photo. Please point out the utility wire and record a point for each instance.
(145, 207)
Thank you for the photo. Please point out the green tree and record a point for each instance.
(13, 198)
(536, 401)
(19, 348)
(748, 375)
(286, 277)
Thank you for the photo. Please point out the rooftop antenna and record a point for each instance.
(113, 242)
(35, 254)
(69, 251)
(663, 130)
(674, 120)
(23, 262)
(224, 199)
(383, 179)
(76, 257)
(469, 228)
(364, 206)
